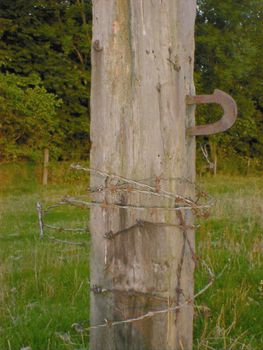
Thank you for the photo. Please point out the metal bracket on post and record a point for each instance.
(230, 113)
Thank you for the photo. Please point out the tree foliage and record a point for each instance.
(28, 118)
(51, 39)
(228, 56)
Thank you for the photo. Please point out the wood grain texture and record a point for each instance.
(140, 78)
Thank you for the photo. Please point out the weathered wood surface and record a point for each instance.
(142, 70)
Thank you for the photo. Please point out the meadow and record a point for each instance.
(44, 293)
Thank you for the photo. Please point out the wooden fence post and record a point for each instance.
(142, 71)
(45, 166)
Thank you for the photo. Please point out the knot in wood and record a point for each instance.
(96, 46)
(108, 322)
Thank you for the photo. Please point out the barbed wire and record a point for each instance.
(156, 191)
(142, 223)
(121, 186)
(66, 241)
(104, 205)
(43, 225)
(65, 229)
(150, 314)
(115, 184)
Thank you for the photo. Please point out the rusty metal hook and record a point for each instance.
(230, 113)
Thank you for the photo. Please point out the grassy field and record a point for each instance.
(44, 283)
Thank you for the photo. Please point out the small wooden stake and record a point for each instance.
(45, 169)
(40, 220)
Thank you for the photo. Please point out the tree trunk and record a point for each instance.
(142, 70)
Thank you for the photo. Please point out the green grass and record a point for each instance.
(44, 288)
(230, 314)
(44, 285)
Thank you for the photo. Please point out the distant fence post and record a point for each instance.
(40, 219)
(45, 166)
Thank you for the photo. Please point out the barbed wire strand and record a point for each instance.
(44, 235)
(105, 205)
(60, 228)
(134, 182)
(142, 223)
(65, 241)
